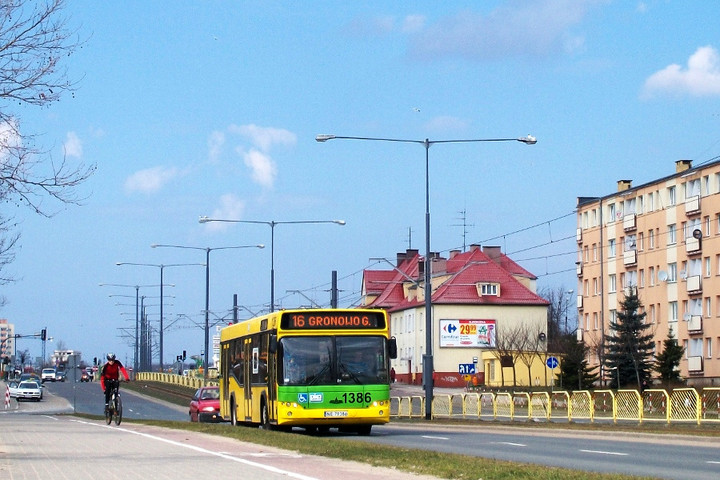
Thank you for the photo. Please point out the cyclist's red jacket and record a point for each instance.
(112, 372)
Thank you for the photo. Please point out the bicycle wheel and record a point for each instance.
(109, 411)
(118, 410)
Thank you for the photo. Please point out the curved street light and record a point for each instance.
(428, 356)
(271, 224)
(207, 288)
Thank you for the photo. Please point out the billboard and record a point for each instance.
(470, 333)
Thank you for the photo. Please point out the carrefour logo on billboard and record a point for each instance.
(478, 333)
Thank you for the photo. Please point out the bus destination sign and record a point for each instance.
(332, 320)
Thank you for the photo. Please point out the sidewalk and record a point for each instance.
(406, 390)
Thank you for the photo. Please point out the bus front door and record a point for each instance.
(247, 385)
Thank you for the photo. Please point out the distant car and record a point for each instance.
(205, 405)
(47, 375)
(60, 376)
(29, 390)
(86, 376)
(13, 388)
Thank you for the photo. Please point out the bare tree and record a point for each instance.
(507, 341)
(34, 42)
(530, 345)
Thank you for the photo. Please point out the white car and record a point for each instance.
(28, 390)
(48, 374)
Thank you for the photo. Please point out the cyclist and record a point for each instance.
(110, 376)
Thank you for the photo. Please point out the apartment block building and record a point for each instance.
(7, 340)
(663, 238)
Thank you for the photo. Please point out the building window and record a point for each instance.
(491, 289)
(596, 290)
(652, 239)
(641, 241)
(672, 272)
(611, 248)
(651, 202)
(596, 324)
(672, 234)
(611, 213)
(672, 311)
(652, 314)
(708, 307)
(672, 196)
(595, 252)
(612, 283)
(708, 268)
(651, 276)
(641, 279)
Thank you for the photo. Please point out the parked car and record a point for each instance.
(205, 405)
(47, 375)
(29, 390)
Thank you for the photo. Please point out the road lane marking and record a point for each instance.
(430, 437)
(206, 451)
(605, 453)
(511, 444)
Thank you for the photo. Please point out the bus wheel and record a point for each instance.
(364, 430)
(233, 414)
(264, 417)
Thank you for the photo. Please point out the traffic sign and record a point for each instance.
(466, 369)
(552, 362)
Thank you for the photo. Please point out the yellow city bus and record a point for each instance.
(312, 368)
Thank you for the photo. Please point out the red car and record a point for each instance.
(205, 405)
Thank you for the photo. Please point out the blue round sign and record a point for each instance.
(552, 362)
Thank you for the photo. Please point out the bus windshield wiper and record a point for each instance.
(315, 378)
(349, 372)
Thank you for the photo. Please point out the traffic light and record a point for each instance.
(43, 334)
(184, 355)
(95, 361)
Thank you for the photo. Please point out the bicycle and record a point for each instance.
(114, 408)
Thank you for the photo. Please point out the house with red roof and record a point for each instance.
(485, 313)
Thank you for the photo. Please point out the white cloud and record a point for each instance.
(73, 145)
(701, 78)
(517, 28)
(150, 180)
(262, 167)
(413, 23)
(446, 123)
(215, 144)
(264, 137)
(9, 139)
(231, 208)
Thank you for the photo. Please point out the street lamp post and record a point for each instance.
(162, 268)
(271, 224)
(137, 316)
(428, 356)
(207, 288)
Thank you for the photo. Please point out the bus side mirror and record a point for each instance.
(273, 344)
(392, 348)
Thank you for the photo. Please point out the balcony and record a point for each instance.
(629, 257)
(579, 302)
(695, 324)
(695, 364)
(579, 269)
(694, 284)
(578, 235)
(693, 244)
(692, 205)
(629, 222)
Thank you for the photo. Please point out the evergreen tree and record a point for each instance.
(629, 346)
(574, 370)
(667, 362)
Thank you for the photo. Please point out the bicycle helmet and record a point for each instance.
(111, 356)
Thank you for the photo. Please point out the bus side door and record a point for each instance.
(247, 384)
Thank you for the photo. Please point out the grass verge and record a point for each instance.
(440, 465)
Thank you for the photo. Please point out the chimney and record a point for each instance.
(453, 253)
(624, 185)
(682, 165)
(409, 253)
(474, 247)
(493, 252)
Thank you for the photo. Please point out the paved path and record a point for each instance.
(38, 440)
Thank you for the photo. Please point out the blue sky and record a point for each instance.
(212, 108)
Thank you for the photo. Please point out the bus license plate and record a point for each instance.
(342, 413)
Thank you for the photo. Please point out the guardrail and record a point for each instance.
(680, 405)
(686, 405)
(185, 381)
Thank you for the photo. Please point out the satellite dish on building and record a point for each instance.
(662, 276)
(697, 233)
(683, 274)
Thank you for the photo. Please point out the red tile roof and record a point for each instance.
(463, 271)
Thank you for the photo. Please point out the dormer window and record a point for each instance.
(488, 289)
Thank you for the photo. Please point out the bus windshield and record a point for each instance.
(324, 360)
